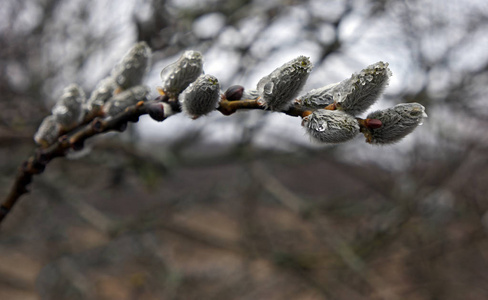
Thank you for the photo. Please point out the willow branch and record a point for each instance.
(227, 107)
(94, 125)
(75, 140)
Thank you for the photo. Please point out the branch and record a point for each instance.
(228, 107)
(75, 139)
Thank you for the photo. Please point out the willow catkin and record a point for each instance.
(201, 97)
(132, 67)
(121, 101)
(177, 76)
(331, 126)
(69, 109)
(278, 90)
(397, 122)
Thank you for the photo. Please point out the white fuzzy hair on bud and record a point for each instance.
(131, 69)
(201, 97)
(331, 126)
(278, 90)
(48, 132)
(102, 93)
(177, 76)
(121, 101)
(318, 98)
(354, 95)
(68, 110)
(397, 122)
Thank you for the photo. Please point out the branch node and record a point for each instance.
(97, 125)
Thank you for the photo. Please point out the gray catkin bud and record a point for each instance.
(48, 132)
(131, 69)
(250, 94)
(177, 76)
(356, 94)
(331, 126)
(318, 98)
(397, 122)
(68, 110)
(201, 97)
(102, 93)
(278, 90)
(121, 101)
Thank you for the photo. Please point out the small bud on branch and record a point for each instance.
(331, 126)
(121, 101)
(201, 97)
(48, 132)
(177, 76)
(278, 89)
(131, 69)
(234, 92)
(397, 122)
(68, 111)
(102, 93)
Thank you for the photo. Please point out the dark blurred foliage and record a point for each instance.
(189, 218)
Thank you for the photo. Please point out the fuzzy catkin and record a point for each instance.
(121, 101)
(131, 69)
(102, 93)
(68, 110)
(318, 98)
(201, 97)
(278, 90)
(397, 122)
(48, 132)
(356, 94)
(177, 76)
(353, 95)
(331, 126)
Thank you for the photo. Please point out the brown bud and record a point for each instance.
(156, 111)
(234, 93)
(373, 123)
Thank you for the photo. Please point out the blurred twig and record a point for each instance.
(324, 230)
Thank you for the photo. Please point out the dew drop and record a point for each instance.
(369, 78)
(321, 127)
(268, 87)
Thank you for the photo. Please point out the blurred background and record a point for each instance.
(246, 206)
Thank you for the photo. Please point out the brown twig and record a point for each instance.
(76, 138)
(227, 107)
(37, 163)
